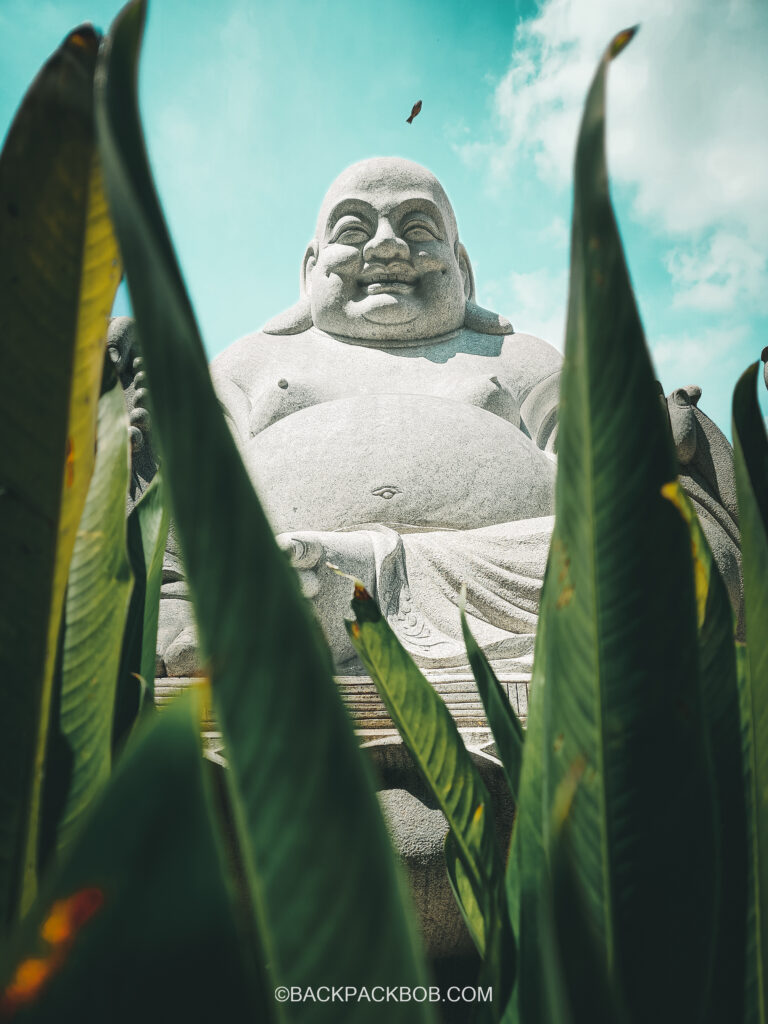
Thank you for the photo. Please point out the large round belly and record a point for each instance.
(406, 461)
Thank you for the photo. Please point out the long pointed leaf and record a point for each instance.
(505, 725)
(137, 922)
(433, 739)
(722, 717)
(320, 868)
(147, 529)
(527, 876)
(621, 650)
(751, 463)
(58, 276)
(98, 591)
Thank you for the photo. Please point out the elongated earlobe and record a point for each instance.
(484, 321)
(468, 276)
(307, 266)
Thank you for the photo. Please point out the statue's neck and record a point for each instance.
(387, 343)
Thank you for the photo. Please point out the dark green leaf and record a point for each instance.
(751, 463)
(320, 868)
(79, 757)
(720, 703)
(137, 923)
(147, 531)
(622, 690)
(577, 988)
(505, 725)
(433, 739)
(58, 276)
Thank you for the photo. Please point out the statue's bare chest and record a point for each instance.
(312, 376)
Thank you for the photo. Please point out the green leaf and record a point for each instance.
(505, 725)
(751, 465)
(527, 875)
(622, 690)
(320, 868)
(147, 529)
(722, 717)
(138, 921)
(79, 758)
(433, 739)
(58, 275)
(576, 986)
(463, 892)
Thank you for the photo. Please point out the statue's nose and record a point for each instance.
(385, 245)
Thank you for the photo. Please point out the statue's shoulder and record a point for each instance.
(529, 360)
(245, 361)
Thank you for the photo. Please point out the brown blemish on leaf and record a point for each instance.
(565, 597)
(70, 462)
(68, 916)
(361, 594)
(621, 41)
(355, 629)
(557, 746)
(59, 930)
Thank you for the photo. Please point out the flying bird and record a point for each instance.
(414, 112)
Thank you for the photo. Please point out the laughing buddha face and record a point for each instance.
(386, 264)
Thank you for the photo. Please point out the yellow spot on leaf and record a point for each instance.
(565, 596)
(355, 628)
(566, 792)
(557, 746)
(477, 817)
(701, 564)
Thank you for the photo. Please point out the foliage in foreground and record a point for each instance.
(636, 885)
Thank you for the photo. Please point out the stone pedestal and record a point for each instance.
(416, 825)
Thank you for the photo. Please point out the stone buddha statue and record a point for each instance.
(397, 430)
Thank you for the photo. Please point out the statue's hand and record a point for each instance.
(682, 420)
(330, 593)
(177, 648)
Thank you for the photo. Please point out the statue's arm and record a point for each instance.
(533, 369)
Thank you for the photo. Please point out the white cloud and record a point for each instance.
(687, 106)
(710, 351)
(723, 273)
(535, 303)
(556, 233)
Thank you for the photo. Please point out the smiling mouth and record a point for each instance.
(400, 281)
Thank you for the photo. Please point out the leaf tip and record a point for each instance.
(621, 41)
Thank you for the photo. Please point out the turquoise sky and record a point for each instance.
(252, 108)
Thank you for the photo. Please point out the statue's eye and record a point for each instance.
(418, 233)
(351, 236)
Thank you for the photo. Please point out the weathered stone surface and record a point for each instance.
(394, 428)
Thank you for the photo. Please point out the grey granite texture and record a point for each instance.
(395, 429)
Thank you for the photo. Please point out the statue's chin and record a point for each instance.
(387, 309)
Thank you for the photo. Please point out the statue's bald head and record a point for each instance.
(384, 175)
(386, 264)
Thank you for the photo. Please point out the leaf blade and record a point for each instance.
(58, 275)
(294, 765)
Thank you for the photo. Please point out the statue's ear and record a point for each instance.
(307, 266)
(466, 272)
